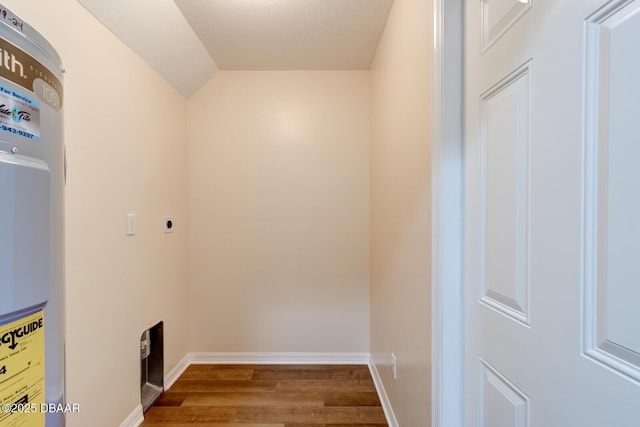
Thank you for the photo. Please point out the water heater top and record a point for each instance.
(17, 27)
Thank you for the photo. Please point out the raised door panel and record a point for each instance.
(498, 16)
(502, 404)
(505, 196)
(612, 177)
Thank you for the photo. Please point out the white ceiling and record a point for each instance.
(157, 31)
(244, 34)
(288, 34)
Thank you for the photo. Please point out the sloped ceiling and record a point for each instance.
(157, 31)
(186, 41)
(288, 34)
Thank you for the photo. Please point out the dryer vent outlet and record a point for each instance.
(151, 365)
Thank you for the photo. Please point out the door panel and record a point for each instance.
(502, 403)
(612, 231)
(552, 215)
(504, 195)
(498, 16)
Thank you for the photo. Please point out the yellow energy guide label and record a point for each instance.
(22, 372)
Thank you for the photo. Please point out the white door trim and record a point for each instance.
(446, 151)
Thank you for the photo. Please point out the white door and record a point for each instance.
(552, 213)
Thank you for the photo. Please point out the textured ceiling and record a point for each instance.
(288, 34)
(157, 32)
(244, 34)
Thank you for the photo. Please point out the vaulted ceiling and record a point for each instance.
(186, 41)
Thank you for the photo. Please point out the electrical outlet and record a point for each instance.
(394, 366)
(169, 224)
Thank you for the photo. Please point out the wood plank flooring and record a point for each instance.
(269, 396)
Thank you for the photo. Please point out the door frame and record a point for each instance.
(447, 103)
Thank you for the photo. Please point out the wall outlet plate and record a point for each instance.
(169, 224)
(394, 366)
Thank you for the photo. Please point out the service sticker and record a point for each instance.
(19, 114)
(22, 372)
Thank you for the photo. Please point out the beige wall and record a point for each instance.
(400, 210)
(126, 147)
(279, 212)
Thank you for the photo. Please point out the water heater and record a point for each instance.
(32, 175)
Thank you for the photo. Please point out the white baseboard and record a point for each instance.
(382, 394)
(175, 373)
(134, 419)
(280, 358)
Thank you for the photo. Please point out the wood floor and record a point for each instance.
(269, 396)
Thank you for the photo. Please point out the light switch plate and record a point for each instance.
(131, 224)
